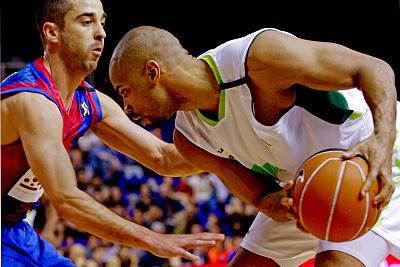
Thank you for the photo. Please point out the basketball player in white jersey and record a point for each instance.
(253, 109)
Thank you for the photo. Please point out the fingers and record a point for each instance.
(288, 187)
(185, 242)
(287, 202)
(200, 243)
(349, 154)
(385, 194)
(372, 176)
(187, 255)
(291, 216)
(209, 236)
(374, 166)
(384, 176)
(388, 186)
(201, 240)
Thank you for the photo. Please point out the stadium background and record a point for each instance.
(200, 202)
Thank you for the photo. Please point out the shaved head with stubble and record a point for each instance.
(140, 70)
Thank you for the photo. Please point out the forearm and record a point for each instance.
(378, 85)
(172, 163)
(142, 146)
(79, 208)
(247, 185)
(48, 231)
(241, 181)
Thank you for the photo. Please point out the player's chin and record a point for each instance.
(92, 65)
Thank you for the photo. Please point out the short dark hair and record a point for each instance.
(51, 11)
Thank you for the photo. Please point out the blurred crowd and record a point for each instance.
(164, 204)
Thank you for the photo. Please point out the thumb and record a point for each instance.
(349, 155)
(287, 188)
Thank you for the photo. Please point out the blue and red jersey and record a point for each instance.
(84, 111)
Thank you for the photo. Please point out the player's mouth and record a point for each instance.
(97, 51)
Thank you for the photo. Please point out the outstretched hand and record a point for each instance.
(178, 245)
(377, 149)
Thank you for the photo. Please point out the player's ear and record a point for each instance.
(152, 72)
(50, 32)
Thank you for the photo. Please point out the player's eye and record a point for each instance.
(87, 22)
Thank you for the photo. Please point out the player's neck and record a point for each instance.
(66, 81)
(199, 86)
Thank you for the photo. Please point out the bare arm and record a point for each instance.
(40, 131)
(49, 228)
(286, 60)
(261, 192)
(117, 131)
(327, 66)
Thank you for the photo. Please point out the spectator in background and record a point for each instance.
(45, 108)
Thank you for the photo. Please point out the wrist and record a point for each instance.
(389, 136)
(150, 240)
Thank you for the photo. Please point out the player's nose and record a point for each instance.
(145, 122)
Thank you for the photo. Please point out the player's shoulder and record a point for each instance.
(29, 101)
(26, 76)
(31, 111)
(268, 38)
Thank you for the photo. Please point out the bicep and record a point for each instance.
(40, 131)
(319, 65)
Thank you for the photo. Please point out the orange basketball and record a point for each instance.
(327, 199)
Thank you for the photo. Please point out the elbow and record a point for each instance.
(167, 168)
(63, 203)
(166, 161)
(378, 68)
(160, 166)
(60, 206)
(386, 69)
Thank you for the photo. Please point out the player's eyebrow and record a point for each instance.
(90, 14)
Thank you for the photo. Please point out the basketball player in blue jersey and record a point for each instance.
(45, 108)
(253, 109)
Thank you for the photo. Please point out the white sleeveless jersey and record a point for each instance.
(318, 120)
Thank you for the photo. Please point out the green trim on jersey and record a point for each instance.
(206, 116)
(267, 169)
(210, 117)
(397, 163)
(330, 106)
(355, 115)
(210, 61)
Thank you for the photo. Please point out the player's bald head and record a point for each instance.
(140, 45)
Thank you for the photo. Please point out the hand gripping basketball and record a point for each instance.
(327, 199)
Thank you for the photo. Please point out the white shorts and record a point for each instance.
(290, 247)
